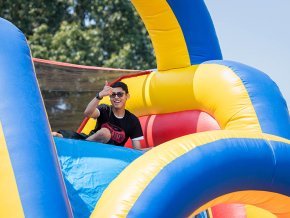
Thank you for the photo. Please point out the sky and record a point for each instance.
(256, 33)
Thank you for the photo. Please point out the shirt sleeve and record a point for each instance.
(137, 133)
(104, 112)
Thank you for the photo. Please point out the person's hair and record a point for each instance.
(120, 85)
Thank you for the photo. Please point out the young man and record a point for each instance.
(115, 124)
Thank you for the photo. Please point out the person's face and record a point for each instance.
(118, 98)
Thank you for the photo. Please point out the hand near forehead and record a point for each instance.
(107, 90)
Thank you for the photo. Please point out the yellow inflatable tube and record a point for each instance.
(200, 87)
(144, 171)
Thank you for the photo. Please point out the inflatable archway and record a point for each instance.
(245, 162)
(172, 180)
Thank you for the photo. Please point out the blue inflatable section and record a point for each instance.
(27, 132)
(225, 166)
(88, 168)
(198, 30)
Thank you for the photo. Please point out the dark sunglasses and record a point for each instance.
(119, 94)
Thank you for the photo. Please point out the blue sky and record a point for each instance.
(256, 33)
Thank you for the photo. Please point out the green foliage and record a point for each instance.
(70, 43)
(28, 15)
(91, 32)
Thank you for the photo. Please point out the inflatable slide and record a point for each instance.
(220, 132)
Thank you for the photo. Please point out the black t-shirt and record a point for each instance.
(121, 128)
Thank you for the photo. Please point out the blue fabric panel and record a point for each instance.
(281, 178)
(212, 170)
(26, 130)
(198, 30)
(88, 168)
(269, 104)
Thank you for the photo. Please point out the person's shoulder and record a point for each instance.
(104, 107)
(131, 115)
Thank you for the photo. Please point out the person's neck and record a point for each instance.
(119, 112)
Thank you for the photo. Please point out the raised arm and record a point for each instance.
(91, 109)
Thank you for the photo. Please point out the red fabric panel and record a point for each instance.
(164, 127)
(229, 210)
(174, 125)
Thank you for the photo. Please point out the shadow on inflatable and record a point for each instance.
(220, 132)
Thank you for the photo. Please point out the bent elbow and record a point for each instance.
(87, 113)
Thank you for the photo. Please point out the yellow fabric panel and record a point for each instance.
(10, 204)
(274, 203)
(90, 125)
(254, 212)
(155, 94)
(221, 93)
(164, 30)
(172, 91)
(123, 192)
(138, 87)
(207, 87)
(163, 92)
(275, 138)
(210, 213)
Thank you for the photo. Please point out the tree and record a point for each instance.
(92, 32)
(28, 15)
(70, 43)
